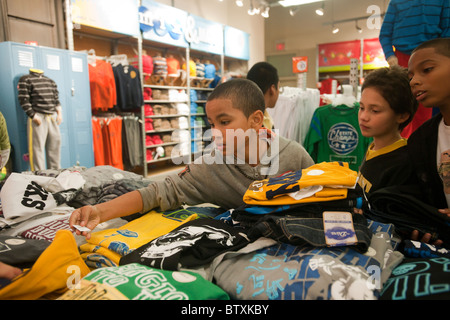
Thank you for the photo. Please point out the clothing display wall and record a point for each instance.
(117, 97)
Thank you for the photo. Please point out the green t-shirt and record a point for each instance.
(334, 135)
(138, 282)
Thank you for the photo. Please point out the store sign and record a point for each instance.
(299, 64)
(373, 54)
(118, 16)
(236, 43)
(204, 35)
(163, 23)
(336, 56)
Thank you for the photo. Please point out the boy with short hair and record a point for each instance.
(266, 77)
(386, 107)
(429, 145)
(235, 111)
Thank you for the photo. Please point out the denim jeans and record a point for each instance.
(299, 224)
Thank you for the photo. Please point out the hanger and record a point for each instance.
(346, 98)
(117, 59)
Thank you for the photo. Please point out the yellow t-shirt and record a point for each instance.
(106, 247)
(325, 181)
(57, 269)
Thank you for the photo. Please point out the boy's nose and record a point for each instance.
(414, 81)
(363, 115)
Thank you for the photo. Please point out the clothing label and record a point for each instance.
(339, 229)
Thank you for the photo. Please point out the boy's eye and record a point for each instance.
(426, 70)
(224, 123)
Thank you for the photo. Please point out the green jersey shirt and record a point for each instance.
(334, 135)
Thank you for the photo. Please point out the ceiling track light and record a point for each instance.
(321, 10)
(251, 10)
(293, 11)
(239, 3)
(335, 29)
(358, 28)
(265, 13)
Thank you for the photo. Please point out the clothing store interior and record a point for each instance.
(225, 150)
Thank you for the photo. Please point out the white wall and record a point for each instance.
(226, 12)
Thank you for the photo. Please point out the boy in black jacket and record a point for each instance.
(429, 145)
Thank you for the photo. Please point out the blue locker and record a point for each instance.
(70, 72)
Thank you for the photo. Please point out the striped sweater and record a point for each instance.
(37, 93)
(408, 23)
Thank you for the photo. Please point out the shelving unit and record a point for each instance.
(188, 146)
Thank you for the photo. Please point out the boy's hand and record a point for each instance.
(445, 211)
(425, 238)
(392, 61)
(8, 272)
(87, 216)
(37, 119)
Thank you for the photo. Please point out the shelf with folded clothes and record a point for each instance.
(178, 152)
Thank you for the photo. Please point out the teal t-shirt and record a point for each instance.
(334, 135)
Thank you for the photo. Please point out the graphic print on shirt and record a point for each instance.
(34, 189)
(342, 138)
(444, 170)
(172, 243)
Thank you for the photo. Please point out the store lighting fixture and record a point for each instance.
(358, 28)
(259, 7)
(291, 3)
(335, 29)
(293, 11)
(320, 11)
(239, 3)
(251, 11)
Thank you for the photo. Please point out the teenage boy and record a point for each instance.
(235, 110)
(386, 107)
(429, 145)
(266, 77)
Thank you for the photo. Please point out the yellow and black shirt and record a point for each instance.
(385, 167)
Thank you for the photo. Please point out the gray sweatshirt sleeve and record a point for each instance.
(223, 185)
(173, 191)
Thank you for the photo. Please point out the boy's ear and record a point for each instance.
(402, 117)
(256, 119)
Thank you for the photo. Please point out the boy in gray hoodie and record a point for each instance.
(242, 152)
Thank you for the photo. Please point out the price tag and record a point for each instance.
(339, 229)
(81, 229)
